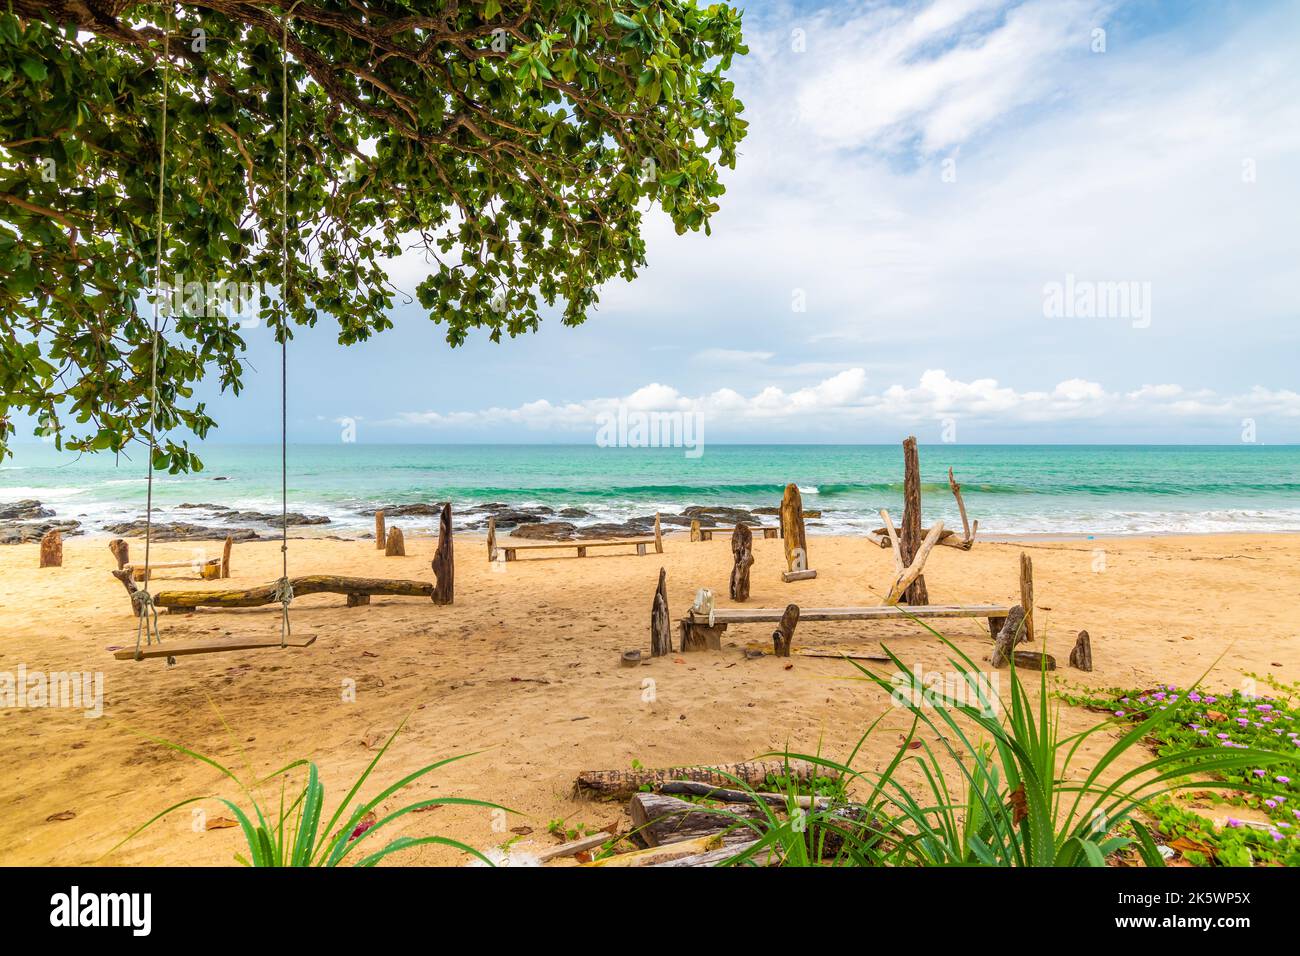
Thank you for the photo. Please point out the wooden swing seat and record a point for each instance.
(188, 650)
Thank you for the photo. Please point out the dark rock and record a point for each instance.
(205, 507)
(719, 515)
(28, 509)
(15, 532)
(547, 530)
(292, 519)
(607, 530)
(574, 513)
(180, 531)
(406, 511)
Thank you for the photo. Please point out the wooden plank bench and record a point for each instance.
(706, 534)
(510, 551)
(696, 631)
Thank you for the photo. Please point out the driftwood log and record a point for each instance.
(784, 633)
(967, 528)
(623, 784)
(661, 630)
(1035, 660)
(1081, 655)
(742, 553)
(307, 584)
(1027, 593)
(659, 820)
(1012, 633)
(52, 549)
(910, 541)
(395, 546)
(826, 835)
(380, 538)
(121, 552)
(444, 566)
(907, 572)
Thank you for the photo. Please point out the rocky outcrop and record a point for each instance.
(26, 532)
(546, 530)
(29, 509)
(292, 519)
(180, 531)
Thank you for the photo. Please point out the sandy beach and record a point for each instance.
(525, 668)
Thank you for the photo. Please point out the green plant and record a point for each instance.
(1199, 721)
(295, 837)
(519, 144)
(1018, 803)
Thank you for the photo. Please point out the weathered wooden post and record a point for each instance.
(1027, 593)
(661, 635)
(492, 539)
(659, 536)
(1081, 656)
(52, 550)
(225, 556)
(742, 551)
(794, 536)
(380, 539)
(444, 591)
(695, 529)
(784, 633)
(395, 547)
(911, 537)
(121, 552)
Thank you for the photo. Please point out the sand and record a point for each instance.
(524, 668)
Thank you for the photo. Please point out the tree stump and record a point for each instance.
(444, 571)
(794, 537)
(1081, 656)
(742, 551)
(911, 536)
(661, 634)
(121, 552)
(52, 550)
(395, 546)
(695, 529)
(379, 530)
(1012, 633)
(784, 633)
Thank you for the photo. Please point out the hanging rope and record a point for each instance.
(284, 587)
(147, 619)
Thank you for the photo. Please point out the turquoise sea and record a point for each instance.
(1011, 489)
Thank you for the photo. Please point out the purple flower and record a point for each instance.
(1282, 779)
(1233, 822)
(1119, 713)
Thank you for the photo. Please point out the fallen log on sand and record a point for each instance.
(659, 819)
(266, 593)
(623, 784)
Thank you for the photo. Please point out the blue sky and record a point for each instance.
(918, 175)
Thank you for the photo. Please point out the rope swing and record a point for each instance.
(284, 587)
(147, 615)
(147, 632)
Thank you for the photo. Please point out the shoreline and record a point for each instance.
(420, 531)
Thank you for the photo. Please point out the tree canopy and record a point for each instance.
(518, 142)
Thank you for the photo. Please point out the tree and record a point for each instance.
(518, 142)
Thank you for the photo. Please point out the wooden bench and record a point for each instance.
(511, 550)
(706, 534)
(697, 633)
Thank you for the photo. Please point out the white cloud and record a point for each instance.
(846, 398)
